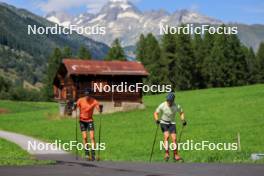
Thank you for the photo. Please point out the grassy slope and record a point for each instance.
(11, 154)
(216, 115)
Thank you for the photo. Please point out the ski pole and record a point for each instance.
(100, 126)
(76, 131)
(155, 137)
(76, 119)
(181, 133)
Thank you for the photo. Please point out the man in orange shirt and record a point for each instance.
(86, 106)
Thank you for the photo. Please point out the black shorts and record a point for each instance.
(171, 128)
(84, 126)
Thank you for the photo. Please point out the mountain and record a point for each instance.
(125, 21)
(26, 55)
(251, 35)
(60, 18)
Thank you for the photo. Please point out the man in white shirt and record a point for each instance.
(167, 110)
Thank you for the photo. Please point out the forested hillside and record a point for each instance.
(195, 62)
(27, 55)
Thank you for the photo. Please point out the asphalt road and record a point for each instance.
(67, 166)
(23, 141)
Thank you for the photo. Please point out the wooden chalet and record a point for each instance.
(74, 76)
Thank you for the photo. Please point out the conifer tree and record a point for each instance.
(149, 53)
(155, 63)
(67, 53)
(252, 75)
(260, 58)
(53, 66)
(185, 62)
(216, 62)
(168, 48)
(199, 55)
(237, 61)
(84, 53)
(116, 52)
(208, 44)
(141, 49)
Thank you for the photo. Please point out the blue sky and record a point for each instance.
(243, 11)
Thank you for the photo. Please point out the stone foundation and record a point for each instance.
(109, 107)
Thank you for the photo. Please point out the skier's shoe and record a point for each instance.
(87, 155)
(93, 155)
(177, 158)
(88, 158)
(167, 157)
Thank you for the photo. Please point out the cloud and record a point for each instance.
(194, 7)
(62, 5)
(96, 5)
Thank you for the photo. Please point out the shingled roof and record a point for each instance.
(97, 67)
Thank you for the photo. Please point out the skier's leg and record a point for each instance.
(85, 143)
(93, 144)
(91, 131)
(83, 127)
(174, 141)
(166, 142)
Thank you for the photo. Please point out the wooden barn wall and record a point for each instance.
(76, 85)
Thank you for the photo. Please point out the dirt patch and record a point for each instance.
(3, 111)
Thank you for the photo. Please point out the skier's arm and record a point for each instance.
(182, 117)
(99, 107)
(76, 105)
(89, 108)
(184, 123)
(156, 116)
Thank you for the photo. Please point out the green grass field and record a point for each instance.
(11, 154)
(214, 115)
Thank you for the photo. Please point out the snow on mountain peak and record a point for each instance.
(61, 18)
(123, 6)
(123, 20)
(118, 0)
(119, 4)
